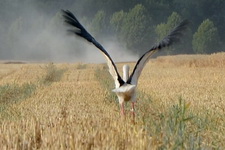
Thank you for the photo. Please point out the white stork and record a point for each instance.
(125, 88)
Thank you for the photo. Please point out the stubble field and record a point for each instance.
(181, 105)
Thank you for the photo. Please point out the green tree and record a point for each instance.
(14, 37)
(158, 9)
(99, 24)
(206, 39)
(133, 28)
(116, 20)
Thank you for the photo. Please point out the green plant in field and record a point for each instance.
(172, 128)
(53, 74)
(11, 93)
(106, 82)
(177, 124)
(81, 66)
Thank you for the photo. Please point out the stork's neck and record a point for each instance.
(126, 72)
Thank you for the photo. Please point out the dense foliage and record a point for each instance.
(206, 38)
(137, 23)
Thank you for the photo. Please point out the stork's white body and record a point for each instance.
(126, 92)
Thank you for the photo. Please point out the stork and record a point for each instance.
(125, 88)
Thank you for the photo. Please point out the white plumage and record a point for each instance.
(125, 88)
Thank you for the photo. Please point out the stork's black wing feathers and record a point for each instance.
(79, 30)
(82, 32)
(171, 38)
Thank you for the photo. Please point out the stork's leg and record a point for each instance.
(122, 109)
(133, 111)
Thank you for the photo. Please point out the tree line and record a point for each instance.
(136, 23)
(140, 23)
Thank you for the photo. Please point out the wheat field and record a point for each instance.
(70, 106)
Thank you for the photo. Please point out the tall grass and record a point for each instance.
(213, 60)
(174, 127)
(81, 66)
(106, 81)
(177, 108)
(52, 74)
(13, 93)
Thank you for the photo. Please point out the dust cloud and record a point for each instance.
(30, 33)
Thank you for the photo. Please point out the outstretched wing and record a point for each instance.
(82, 32)
(171, 38)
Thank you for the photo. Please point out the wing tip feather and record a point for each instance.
(173, 36)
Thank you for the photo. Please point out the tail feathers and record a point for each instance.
(125, 89)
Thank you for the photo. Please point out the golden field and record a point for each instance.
(181, 105)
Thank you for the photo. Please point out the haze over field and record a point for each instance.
(33, 30)
(32, 34)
